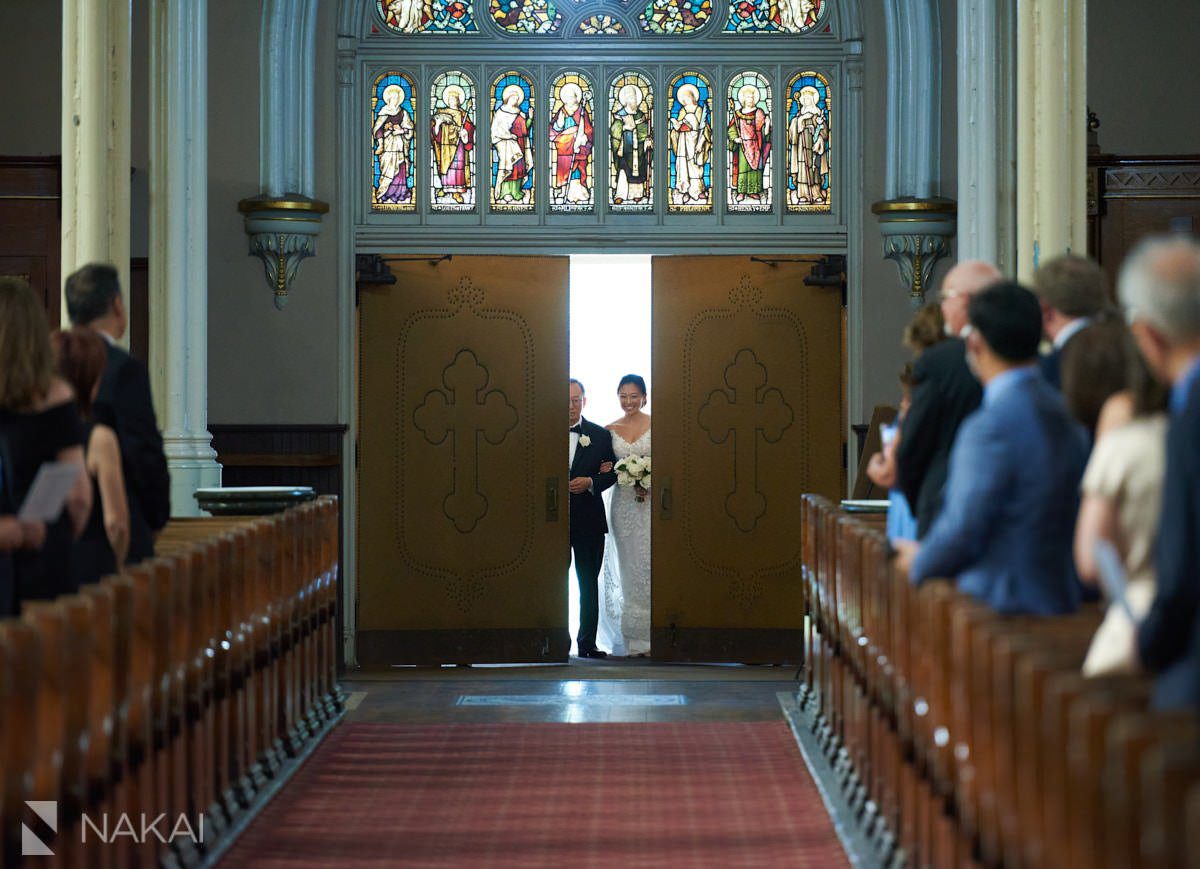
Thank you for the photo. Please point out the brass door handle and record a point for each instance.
(665, 501)
(552, 499)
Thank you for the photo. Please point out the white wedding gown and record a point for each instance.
(625, 579)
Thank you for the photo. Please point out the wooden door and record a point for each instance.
(747, 418)
(462, 516)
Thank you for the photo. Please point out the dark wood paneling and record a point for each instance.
(30, 225)
(1132, 197)
(138, 295)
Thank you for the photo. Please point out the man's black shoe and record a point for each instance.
(593, 653)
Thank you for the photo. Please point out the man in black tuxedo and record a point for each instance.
(944, 393)
(1160, 287)
(124, 402)
(1072, 290)
(590, 447)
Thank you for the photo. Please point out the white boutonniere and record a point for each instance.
(585, 441)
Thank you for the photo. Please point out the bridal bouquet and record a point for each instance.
(634, 471)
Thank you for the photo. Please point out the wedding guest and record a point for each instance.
(124, 404)
(1095, 366)
(105, 540)
(1012, 492)
(1122, 486)
(1072, 290)
(1160, 287)
(39, 423)
(944, 393)
(15, 534)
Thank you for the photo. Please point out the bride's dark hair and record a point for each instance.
(635, 380)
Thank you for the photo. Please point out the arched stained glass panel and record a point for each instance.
(428, 16)
(452, 142)
(749, 142)
(774, 16)
(572, 143)
(808, 137)
(526, 16)
(631, 143)
(689, 132)
(393, 143)
(601, 25)
(511, 121)
(675, 16)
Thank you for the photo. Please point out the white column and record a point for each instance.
(987, 192)
(179, 242)
(1051, 131)
(288, 64)
(914, 106)
(95, 135)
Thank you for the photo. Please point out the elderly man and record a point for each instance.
(1072, 291)
(1013, 488)
(1160, 287)
(944, 392)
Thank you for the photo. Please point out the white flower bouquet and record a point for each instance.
(634, 471)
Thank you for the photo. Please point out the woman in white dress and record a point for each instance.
(627, 552)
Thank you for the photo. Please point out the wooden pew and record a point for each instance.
(964, 738)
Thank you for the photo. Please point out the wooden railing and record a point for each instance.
(963, 738)
(176, 689)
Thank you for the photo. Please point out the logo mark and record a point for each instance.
(47, 812)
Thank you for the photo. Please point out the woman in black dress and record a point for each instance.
(38, 423)
(104, 543)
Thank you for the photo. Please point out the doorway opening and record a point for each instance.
(609, 338)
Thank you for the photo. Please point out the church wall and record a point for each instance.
(31, 42)
(1142, 75)
(265, 365)
(886, 308)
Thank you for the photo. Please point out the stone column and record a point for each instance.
(179, 242)
(95, 135)
(987, 192)
(1051, 131)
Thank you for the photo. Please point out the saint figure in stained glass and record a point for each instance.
(749, 141)
(690, 134)
(631, 143)
(392, 134)
(512, 148)
(808, 143)
(452, 138)
(571, 137)
(526, 16)
(773, 16)
(428, 16)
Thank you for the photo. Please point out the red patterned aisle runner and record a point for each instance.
(567, 795)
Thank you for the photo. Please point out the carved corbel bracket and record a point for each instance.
(282, 231)
(916, 234)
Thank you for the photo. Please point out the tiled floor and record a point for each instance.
(580, 692)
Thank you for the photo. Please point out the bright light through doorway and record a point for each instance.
(610, 337)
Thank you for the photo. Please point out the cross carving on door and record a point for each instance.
(467, 411)
(746, 416)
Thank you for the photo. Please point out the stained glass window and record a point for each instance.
(428, 16)
(452, 142)
(572, 140)
(675, 16)
(631, 143)
(749, 142)
(392, 141)
(689, 174)
(512, 143)
(774, 16)
(601, 25)
(808, 137)
(526, 16)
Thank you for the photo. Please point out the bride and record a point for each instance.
(627, 551)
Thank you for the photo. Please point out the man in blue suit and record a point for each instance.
(1160, 287)
(1008, 522)
(1072, 290)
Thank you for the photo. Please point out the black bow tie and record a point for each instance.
(577, 428)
